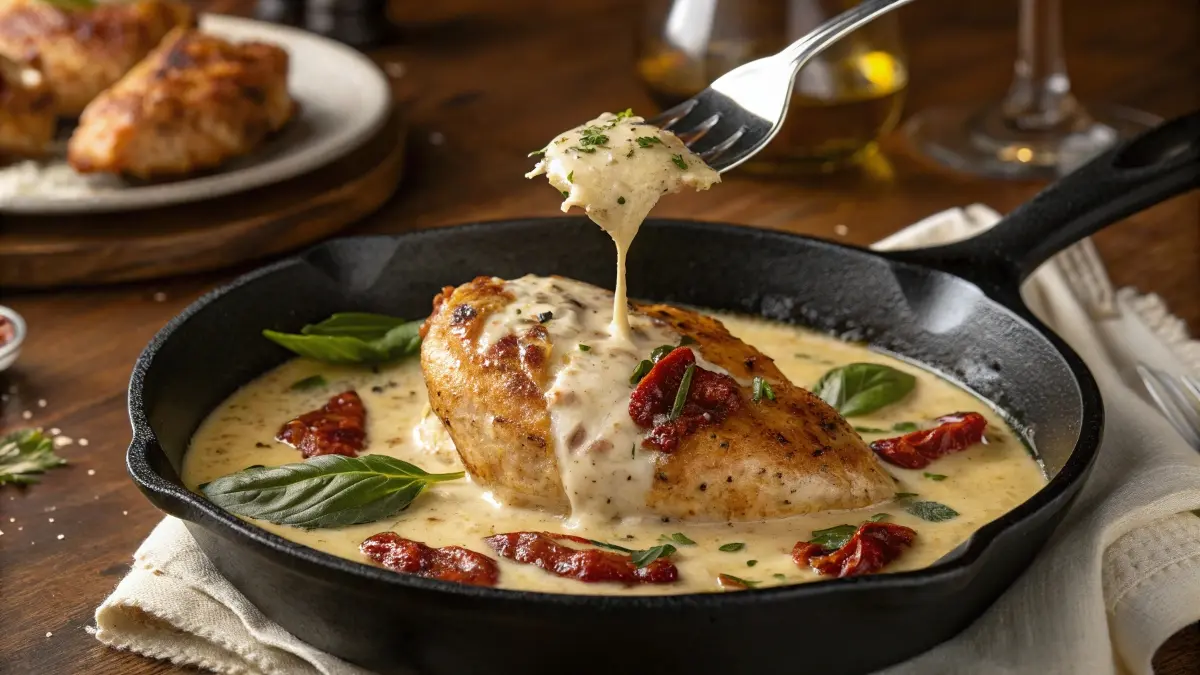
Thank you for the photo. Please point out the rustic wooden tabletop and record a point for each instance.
(483, 83)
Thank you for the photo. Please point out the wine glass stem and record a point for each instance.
(1040, 97)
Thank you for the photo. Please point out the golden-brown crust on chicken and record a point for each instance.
(83, 51)
(491, 402)
(777, 458)
(27, 119)
(193, 103)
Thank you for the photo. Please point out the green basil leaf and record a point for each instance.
(732, 547)
(361, 325)
(310, 382)
(932, 511)
(403, 340)
(780, 577)
(325, 491)
(749, 583)
(935, 476)
(659, 352)
(639, 371)
(328, 348)
(861, 388)
(878, 517)
(679, 538)
(643, 558)
(905, 427)
(24, 453)
(611, 547)
(832, 538)
(751, 563)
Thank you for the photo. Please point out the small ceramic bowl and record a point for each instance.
(11, 349)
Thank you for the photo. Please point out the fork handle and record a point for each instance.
(815, 42)
(1137, 174)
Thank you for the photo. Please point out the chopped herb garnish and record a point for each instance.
(611, 547)
(625, 114)
(24, 453)
(587, 150)
(935, 476)
(660, 351)
(518, 312)
(905, 426)
(584, 348)
(640, 371)
(878, 517)
(932, 511)
(681, 396)
(621, 200)
(571, 177)
(679, 538)
(592, 136)
(905, 495)
(565, 194)
(647, 141)
(732, 547)
(833, 538)
(678, 159)
(687, 340)
(730, 579)
(632, 451)
(751, 563)
(780, 577)
(543, 317)
(537, 153)
(310, 382)
(870, 430)
(630, 153)
(762, 389)
(643, 558)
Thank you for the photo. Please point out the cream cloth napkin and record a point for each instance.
(1120, 576)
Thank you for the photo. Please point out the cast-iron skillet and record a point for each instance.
(953, 308)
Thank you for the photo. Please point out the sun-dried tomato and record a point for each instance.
(590, 565)
(448, 563)
(710, 399)
(916, 450)
(872, 546)
(337, 428)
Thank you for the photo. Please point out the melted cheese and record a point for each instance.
(982, 482)
(616, 167)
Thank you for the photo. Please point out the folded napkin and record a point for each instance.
(1118, 578)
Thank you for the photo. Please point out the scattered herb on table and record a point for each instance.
(932, 511)
(731, 547)
(352, 338)
(325, 491)
(762, 389)
(861, 388)
(24, 454)
(310, 382)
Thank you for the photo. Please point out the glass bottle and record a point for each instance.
(843, 102)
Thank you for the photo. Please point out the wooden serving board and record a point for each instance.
(50, 251)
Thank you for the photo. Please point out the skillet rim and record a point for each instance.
(956, 564)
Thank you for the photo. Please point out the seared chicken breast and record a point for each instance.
(195, 102)
(81, 52)
(541, 404)
(27, 120)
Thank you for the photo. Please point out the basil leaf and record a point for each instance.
(861, 388)
(325, 491)
(641, 370)
(310, 382)
(679, 538)
(738, 580)
(23, 454)
(353, 338)
(780, 577)
(751, 563)
(832, 538)
(732, 547)
(643, 558)
(878, 517)
(611, 547)
(932, 511)
(681, 396)
(660, 351)
(905, 427)
(935, 476)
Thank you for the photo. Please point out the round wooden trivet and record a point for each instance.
(48, 251)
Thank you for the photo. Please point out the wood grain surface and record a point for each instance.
(76, 250)
(486, 82)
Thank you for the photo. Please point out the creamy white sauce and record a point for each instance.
(616, 167)
(982, 482)
(605, 472)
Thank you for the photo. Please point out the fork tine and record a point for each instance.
(701, 130)
(668, 117)
(710, 155)
(747, 142)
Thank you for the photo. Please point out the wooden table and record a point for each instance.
(485, 83)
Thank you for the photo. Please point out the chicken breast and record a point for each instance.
(83, 51)
(27, 120)
(195, 102)
(537, 397)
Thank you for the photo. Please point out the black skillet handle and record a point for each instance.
(1132, 176)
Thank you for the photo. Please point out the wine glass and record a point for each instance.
(1039, 125)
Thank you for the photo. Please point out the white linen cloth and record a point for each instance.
(1119, 577)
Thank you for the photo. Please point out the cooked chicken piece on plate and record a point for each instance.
(82, 50)
(27, 120)
(541, 402)
(195, 102)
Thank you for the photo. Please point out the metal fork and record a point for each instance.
(743, 109)
(1178, 396)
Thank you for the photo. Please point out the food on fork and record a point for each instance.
(27, 119)
(195, 102)
(83, 50)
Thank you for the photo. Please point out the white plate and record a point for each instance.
(343, 98)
